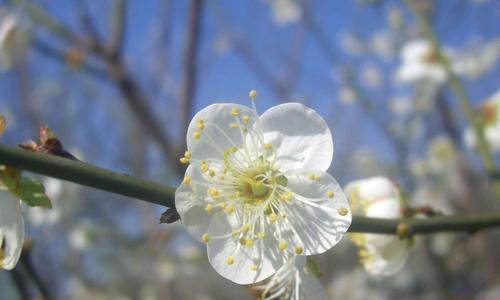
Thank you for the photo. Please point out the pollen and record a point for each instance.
(205, 238)
(330, 194)
(229, 260)
(211, 173)
(299, 250)
(188, 154)
(200, 125)
(273, 217)
(233, 125)
(186, 180)
(268, 146)
(312, 176)
(261, 235)
(184, 160)
(249, 243)
(246, 119)
(254, 268)
(196, 135)
(282, 245)
(229, 209)
(245, 228)
(204, 166)
(287, 196)
(252, 94)
(243, 240)
(235, 111)
(343, 211)
(213, 192)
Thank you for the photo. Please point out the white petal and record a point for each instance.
(387, 208)
(217, 134)
(389, 256)
(300, 137)
(11, 229)
(310, 286)
(219, 249)
(314, 215)
(190, 204)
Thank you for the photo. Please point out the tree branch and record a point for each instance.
(85, 174)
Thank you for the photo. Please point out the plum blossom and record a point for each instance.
(294, 280)
(377, 197)
(11, 229)
(14, 39)
(420, 62)
(256, 188)
(489, 114)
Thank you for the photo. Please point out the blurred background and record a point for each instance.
(118, 82)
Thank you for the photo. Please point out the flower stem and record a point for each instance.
(88, 175)
(458, 89)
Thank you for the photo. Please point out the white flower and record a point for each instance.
(256, 190)
(11, 229)
(294, 280)
(286, 11)
(489, 114)
(420, 62)
(14, 39)
(377, 197)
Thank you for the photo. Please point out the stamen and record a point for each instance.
(229, 260)
(186, 180)
(196, 135)
(343, 211)
(330, 194)
(205, 238)
(282, 245)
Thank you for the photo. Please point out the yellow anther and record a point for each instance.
(246, 119)
(299, 250)
(243, 240)
(186, 180)
(273, 217)
(249, 243)
(211, 173)
(252, 94)
(229, 260)
(213, 192)
(330, 194)
(229, 209)
(184, 160)
(282, 245)
(205, 238)
(209, 207)
(204, 167)
(234, 111)
(268, 146)
(245, 228)
(222, 205)
(312, 176)
(200, 125)
(254, 268)
(343, 211)
(221, 177)
(363, 253)
(196, 135)
(233, 125)
(261, 235)
(188, 154)
(287, 196)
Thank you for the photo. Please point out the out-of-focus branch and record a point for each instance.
(82, 173)
(459, 91)
(190, 62)
(124, 81)
(118, 21)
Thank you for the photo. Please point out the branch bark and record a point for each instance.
(85, 174)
